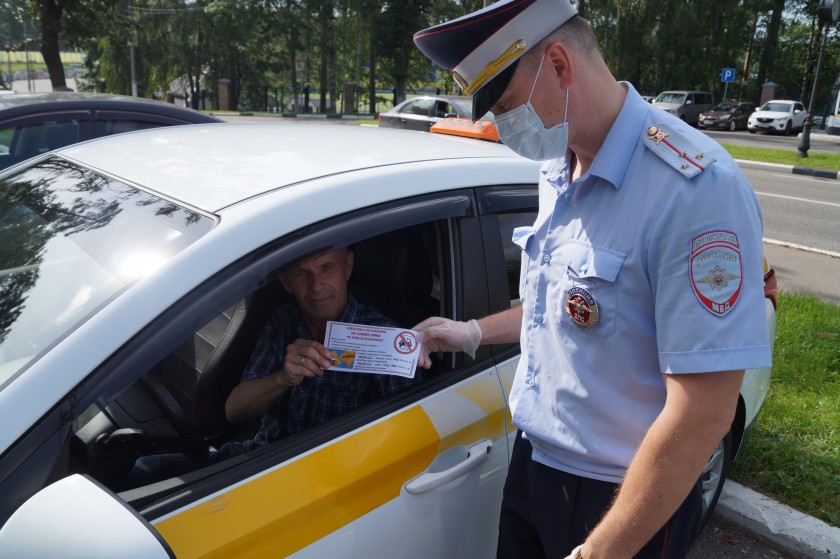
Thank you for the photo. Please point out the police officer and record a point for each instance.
(641, 288)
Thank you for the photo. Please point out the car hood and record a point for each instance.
(769, 114)
(714, 114)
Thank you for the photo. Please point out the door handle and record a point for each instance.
(478, 453)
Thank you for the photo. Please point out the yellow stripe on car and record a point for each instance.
(286, 509)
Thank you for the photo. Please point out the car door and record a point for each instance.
(112, 121)
(417, 114)
(799, 115)
(418, 474)
(502, 209)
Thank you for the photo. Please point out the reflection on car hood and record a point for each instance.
(714, 114)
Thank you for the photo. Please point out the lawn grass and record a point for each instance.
(815, 159)
(794, 453)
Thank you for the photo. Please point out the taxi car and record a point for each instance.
(136, 273)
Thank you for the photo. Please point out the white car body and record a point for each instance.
(419, 472)
(784, 117)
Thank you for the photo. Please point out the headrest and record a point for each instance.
(479, 47)
(395, 265)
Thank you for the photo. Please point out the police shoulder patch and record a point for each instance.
(678, 152)
(715, 270)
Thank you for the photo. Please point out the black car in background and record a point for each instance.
(420, 113)
(34, 123)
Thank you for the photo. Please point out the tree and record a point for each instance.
(76, 20)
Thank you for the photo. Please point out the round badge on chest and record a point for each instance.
(581, 307)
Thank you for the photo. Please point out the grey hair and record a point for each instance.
(576, 34)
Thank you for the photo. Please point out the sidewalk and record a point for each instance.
(801, 535)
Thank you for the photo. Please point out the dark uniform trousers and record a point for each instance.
(546, 512)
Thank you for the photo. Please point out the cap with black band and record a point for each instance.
(483, 48)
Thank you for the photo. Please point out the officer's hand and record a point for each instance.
(304, 358)
(442, 334)
(576, 553)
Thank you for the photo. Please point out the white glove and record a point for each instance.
(442, 334)
(575, 554)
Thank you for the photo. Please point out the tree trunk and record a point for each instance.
(372, 73)
(50, 14)
(769, 49)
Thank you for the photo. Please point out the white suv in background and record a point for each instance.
(778, 116)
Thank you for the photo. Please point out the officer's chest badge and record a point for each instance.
(581, 307)
(675, 150)
(715, 270)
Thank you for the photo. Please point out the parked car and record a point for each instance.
(420, 113)
(727, 116)
(784, 117)
(137, 271)
(34, 123)
(687, 105)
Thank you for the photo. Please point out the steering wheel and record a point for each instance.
(194, 446)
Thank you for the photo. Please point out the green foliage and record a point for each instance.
(815, 160)
(794, 452)
(262, 45)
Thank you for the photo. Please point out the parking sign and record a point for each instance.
(727, 75)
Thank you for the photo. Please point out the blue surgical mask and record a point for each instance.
(522, 130)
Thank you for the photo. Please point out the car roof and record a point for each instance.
(211, 167)
(25, 103)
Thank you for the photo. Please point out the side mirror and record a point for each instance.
(77, 515)
(689, 102)
(450, 115)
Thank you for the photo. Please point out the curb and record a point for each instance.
(787, 528)
(793, 169)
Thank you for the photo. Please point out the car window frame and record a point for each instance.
(83, 116)
(492, 201)
(37, 452)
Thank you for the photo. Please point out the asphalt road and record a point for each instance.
(722, 540)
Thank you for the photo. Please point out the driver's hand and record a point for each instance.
(304, 358)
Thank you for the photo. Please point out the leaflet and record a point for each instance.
(360, 348)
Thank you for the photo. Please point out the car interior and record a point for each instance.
(178, 405)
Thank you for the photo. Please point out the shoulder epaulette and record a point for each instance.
(678, 152)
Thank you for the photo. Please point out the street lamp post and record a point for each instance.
(828, 12)
(132, 43)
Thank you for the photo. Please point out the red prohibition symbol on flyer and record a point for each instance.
(405, 342)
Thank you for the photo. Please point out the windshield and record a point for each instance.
(777, 107)
(724, 108)
(670, 97)
(71, 240)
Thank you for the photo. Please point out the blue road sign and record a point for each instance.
(728, 75)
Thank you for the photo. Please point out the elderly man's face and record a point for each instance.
(320, 285)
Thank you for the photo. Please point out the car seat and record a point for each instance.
(393, 273)
(202, 371)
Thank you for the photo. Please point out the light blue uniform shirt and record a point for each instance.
(675, 267)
